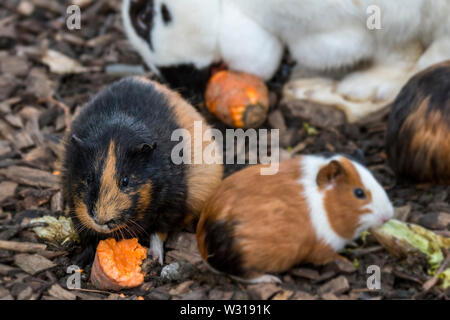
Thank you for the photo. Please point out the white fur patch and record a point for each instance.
(156, 250)
(189, 38)
(310, 166)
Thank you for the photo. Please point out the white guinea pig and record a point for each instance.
(258, 224)
(399, 38)
(249, 35)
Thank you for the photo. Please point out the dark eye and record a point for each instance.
(89, 179)
(165, 14)
(125, 181)
(359, 193)
(141, 15)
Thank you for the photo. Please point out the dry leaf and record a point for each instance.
(62, 64)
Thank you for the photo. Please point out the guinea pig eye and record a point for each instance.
(165, 14)
(89, 179)
(359, 193)
(125, 181)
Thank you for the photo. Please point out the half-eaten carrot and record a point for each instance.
(117, 265)
(238, 99)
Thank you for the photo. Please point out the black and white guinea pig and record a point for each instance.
(418, 134)
(118, 175)
(189, 36)
(251, 35)
(255, 224)
(177, 44)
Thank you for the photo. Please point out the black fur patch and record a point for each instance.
(167, 17)
(130, 113)
(220, 244)
(142, 14)
(193, 89)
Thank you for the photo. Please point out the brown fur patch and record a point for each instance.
(111, 199)
(272, 228)
(430, 141)
(162, 236)
(341, 204)
(82, 213)
(202, 179)
(144, 201)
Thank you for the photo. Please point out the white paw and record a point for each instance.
(323, 91)
(156, 249)
(267, 278)
(375, 85)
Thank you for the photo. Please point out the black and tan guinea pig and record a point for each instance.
(255, 225)
(418, 134)
(118, 176)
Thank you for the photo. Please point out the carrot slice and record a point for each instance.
(238, 99)
(117, 265)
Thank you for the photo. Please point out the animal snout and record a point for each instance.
(112, 223)
(385, 218)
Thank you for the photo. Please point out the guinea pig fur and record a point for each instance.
(418, 134)
(251, 35)
(256, 224)
(118, 177)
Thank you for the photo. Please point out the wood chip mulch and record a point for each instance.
(48, 72)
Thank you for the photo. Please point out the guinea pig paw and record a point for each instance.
(156, 249)
(378, 85)
(156, 254)
(267, 278)
(324, 92)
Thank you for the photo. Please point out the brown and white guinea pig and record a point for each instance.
(418, 134)
(308, 211)
(119, 178)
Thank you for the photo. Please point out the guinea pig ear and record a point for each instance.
(330, 173)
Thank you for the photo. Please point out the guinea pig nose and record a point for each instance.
(111, 223)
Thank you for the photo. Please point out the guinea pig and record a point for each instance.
(254, 224)
(324, 38)
(417, 139)
(119, 178)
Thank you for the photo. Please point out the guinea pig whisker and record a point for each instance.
(125, 230)
(121, 233)
(139, 228)
(130, 230)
